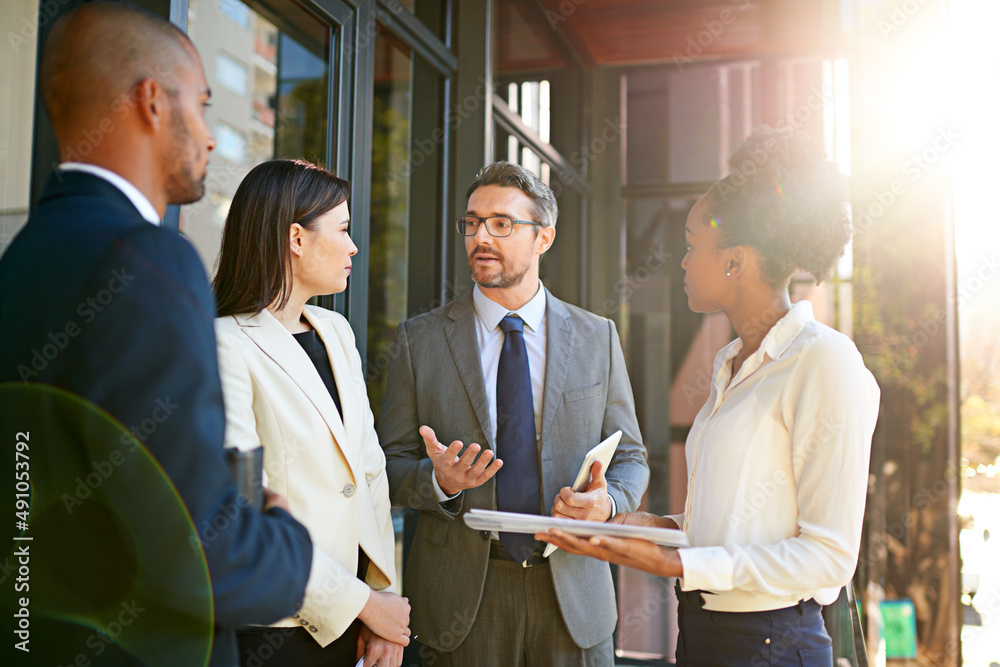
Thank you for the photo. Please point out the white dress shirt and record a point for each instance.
(139, 200)
(490, 338)
(778, 470)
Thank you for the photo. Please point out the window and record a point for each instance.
(279, 108)
(406, 211)
(235, 11)
(231, 73)
(530, 100)
(232, 145)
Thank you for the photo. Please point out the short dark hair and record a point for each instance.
(510, 175)
(786, 200)
(97, 53)
(254, 262)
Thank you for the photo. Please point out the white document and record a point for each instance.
(511, 522)
(603, 453)
(361, 662)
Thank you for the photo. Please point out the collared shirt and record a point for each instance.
(491, 337)
(139, 200)
(778, 470)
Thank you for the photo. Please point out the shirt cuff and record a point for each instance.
(333, 599)
(441, 496)
(706, 569)
(614, 506)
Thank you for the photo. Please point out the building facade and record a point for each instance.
(628, 110)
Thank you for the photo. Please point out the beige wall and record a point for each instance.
(19, 46)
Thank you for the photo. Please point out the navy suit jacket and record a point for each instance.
(129, 306)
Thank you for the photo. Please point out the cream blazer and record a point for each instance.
(331, 470)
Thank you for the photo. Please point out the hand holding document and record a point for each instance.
(510, 522)
(641, 554)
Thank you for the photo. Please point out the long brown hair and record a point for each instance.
(254, 264)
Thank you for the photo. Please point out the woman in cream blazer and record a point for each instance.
(286, 240)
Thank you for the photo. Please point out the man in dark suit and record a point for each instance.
(538, 382)
(97, 300)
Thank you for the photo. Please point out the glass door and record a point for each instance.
(268, 66)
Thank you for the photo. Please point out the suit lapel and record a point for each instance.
(464, 345)
(558, 353)
(348, 392)
(278, 344)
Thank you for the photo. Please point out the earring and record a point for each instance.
(727, 274)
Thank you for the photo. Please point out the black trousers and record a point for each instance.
(295, 647)
(261, 646)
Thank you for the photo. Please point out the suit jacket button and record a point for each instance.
(349, 490)
(483, 534)
(303, 622)
(313, 628)
(295, 615)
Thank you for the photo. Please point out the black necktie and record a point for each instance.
(517, 481)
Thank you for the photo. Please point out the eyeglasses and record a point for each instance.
(468, 225)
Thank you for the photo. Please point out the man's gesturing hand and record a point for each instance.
(591, 504)
(456, 473)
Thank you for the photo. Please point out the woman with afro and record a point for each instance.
(777, 458)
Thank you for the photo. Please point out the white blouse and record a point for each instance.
(778, 470)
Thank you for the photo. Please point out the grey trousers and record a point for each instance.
(519, 625)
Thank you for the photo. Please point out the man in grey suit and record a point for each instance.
(538, 382)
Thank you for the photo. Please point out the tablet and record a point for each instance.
(603, 453)
(511, 522)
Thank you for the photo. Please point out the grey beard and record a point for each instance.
(502, 280)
